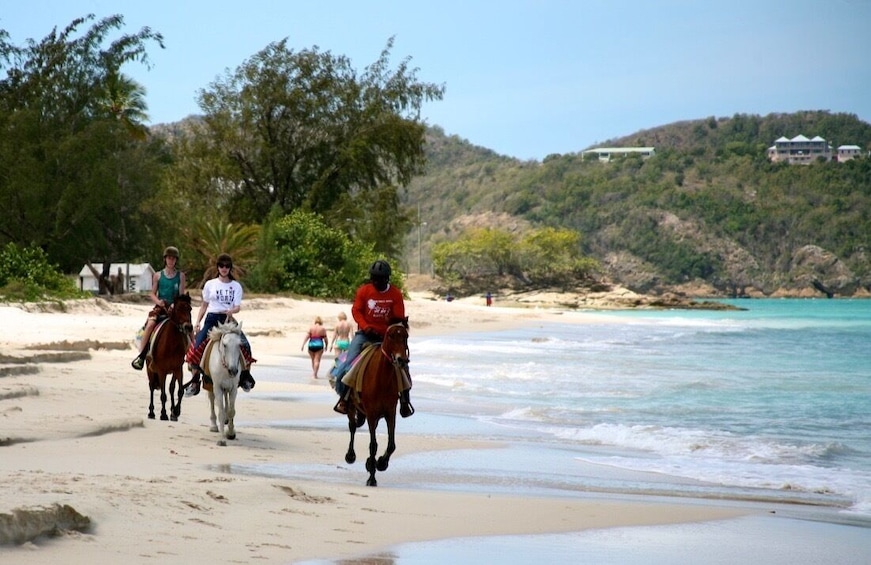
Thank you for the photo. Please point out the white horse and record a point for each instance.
(225, 364)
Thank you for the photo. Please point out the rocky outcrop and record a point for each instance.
(812, 271)
(610, 297)
(814, 267)
(631, 271)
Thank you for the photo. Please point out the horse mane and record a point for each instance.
(230, 327)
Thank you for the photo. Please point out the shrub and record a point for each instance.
(26, 275)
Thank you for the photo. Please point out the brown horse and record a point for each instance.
(376, 396)
(168, 347)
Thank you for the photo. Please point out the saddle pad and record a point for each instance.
(354, 377)
(207, 353)
(153, 339)
(204, 360)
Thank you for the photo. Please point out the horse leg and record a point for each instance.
(222, 408)
(351, 456)
(231, 412)
(373, 449)
(151, 404)
(175, 405)
(212, 416)
(384, 460)
(163, 415)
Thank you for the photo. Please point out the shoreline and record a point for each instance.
(76, 433)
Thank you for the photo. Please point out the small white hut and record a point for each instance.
(137, 277)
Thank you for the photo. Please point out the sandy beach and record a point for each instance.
(75, 434)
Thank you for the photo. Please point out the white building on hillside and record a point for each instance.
(847, 152)
(605, 154)
(800, 150)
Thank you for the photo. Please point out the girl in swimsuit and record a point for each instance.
(341, 335)
(317, 341)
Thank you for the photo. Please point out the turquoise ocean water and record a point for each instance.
(771, 403)
(769, 406)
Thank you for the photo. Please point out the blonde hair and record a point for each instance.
(342, 316)
(318, 320)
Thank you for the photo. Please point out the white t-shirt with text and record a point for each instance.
(221, 296)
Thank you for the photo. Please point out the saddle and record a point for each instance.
(353, 379)
(153, 338)
(208, 348)
(196, 356)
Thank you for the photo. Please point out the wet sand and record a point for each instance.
(75, 433)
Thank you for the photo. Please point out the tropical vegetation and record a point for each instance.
(708, 206)
(287, 131)
(306, 169)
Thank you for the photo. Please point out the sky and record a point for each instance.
(524, 78)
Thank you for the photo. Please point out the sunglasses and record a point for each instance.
(224, 265)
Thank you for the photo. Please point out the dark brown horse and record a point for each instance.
(168, 347)
(376, 396)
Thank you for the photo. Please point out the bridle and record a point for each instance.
(222, 348)
(396, 359)
(183, 327)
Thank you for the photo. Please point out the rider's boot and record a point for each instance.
(139, 362)
(342, 405)
(193, 387)
(405, 407)
(246, 381)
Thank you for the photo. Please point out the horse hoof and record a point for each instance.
(164, 417)
(174, 418)
(222, 443)
(231, 437)
(382, 464)
(350, 458)
(371, 482)
(213, 429)
(151, 416)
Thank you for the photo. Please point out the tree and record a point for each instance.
(553, 255)
(211, 239)
(124, 99)
(73, 171)
(304, 130)
(306, 256)
(538, 256)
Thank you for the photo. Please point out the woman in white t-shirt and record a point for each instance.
(222, 297)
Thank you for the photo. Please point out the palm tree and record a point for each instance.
(124, 98)
(211, 239)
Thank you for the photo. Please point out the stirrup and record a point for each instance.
(246, 381)
(341, 407)
(406, 409)
(192, 389)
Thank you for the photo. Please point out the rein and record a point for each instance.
(395, 360)
(222, 349)
(180, 324)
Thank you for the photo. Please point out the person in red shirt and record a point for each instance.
(377, 304)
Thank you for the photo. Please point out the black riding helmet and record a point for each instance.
(380, 269)
(379, 274)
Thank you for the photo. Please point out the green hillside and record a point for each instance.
(708, 208)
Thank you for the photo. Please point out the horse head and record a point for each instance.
(180, 313)
(228, 336)
(395, 344)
